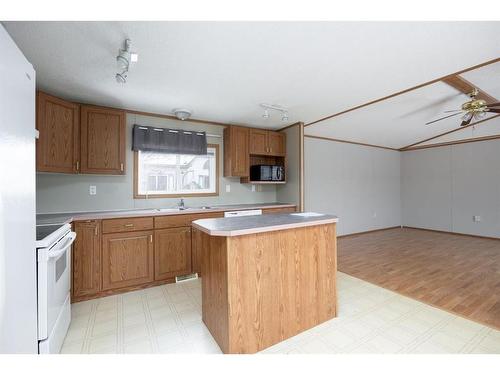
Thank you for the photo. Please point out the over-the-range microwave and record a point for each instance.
(267, 173)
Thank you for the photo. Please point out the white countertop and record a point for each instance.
(239, 226)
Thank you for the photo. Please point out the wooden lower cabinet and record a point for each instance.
(127, 259)
(278, 210)
(122, 254)
(172, 252)
(86, 259)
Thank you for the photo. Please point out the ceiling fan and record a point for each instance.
(473, 109)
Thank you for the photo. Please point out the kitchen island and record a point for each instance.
(266, 278)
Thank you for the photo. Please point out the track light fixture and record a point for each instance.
(124, 60)
(274, 107)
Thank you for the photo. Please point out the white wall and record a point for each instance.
(58, 192)
(359, 184)
(444, 187)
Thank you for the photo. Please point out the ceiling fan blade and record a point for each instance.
(493, 104)
(442, 118)
(494, 110)
(455, 110)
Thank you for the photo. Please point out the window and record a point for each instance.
(158, 175)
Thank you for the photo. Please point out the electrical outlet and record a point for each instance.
(253, 187)
(476, 218)
(92, 190)
(228, 188)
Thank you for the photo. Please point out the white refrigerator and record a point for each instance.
(18, 296)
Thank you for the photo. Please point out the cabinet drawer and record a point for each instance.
(127, 224)
(278, 210)
(175, 221)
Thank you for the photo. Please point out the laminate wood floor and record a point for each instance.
(460, 274)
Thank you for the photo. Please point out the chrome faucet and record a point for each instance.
(181, 204)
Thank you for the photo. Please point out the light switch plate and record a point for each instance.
(253, 187)
(228, 188)
(476, 218)
(92, 190)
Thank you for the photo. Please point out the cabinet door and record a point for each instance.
(276, 144)
(172, 252)
(102, 140)
(236, 152)
(127, 259)
(86, 258)
(258, 142)
(58, 145)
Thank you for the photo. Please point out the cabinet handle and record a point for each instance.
(151, 238)
(96, 230)
(128, 225)
(77, 166)
(121, 167)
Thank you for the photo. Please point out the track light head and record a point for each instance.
(284, 116)
(266, 114)
(121, 77)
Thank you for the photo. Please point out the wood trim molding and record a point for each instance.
(302, 166)
(446, 133)
(368, 231)
(457, 233)
(143, 196)
(351, 142)
(468, 140)
(465, 87)
(405, 91)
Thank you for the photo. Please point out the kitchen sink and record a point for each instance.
(177, 209)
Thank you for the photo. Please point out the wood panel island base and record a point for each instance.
(266, 278)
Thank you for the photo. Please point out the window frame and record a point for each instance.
(176, 195)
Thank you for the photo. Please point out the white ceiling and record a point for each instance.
(400, 121)
(223, 70)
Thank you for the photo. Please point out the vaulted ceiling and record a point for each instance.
(223, 70)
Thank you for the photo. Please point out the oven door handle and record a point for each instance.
(57, 253)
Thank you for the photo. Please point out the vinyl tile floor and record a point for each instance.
(167, 319)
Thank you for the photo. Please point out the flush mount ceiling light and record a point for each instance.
(274, 107)
(182, 113)
(124, 60)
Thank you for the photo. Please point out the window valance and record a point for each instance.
(171, 141)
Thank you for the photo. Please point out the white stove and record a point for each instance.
(53, 244)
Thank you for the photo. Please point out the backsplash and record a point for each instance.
(57, 192)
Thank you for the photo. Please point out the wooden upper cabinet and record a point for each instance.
(58, 145)
(277, 143)
(172, 252)
(102, 140)
(266, 142)
(86, 259)
(258, 142)
(236, 153)
(127, 259)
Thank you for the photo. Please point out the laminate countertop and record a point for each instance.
(242, 225)
(68, 217)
